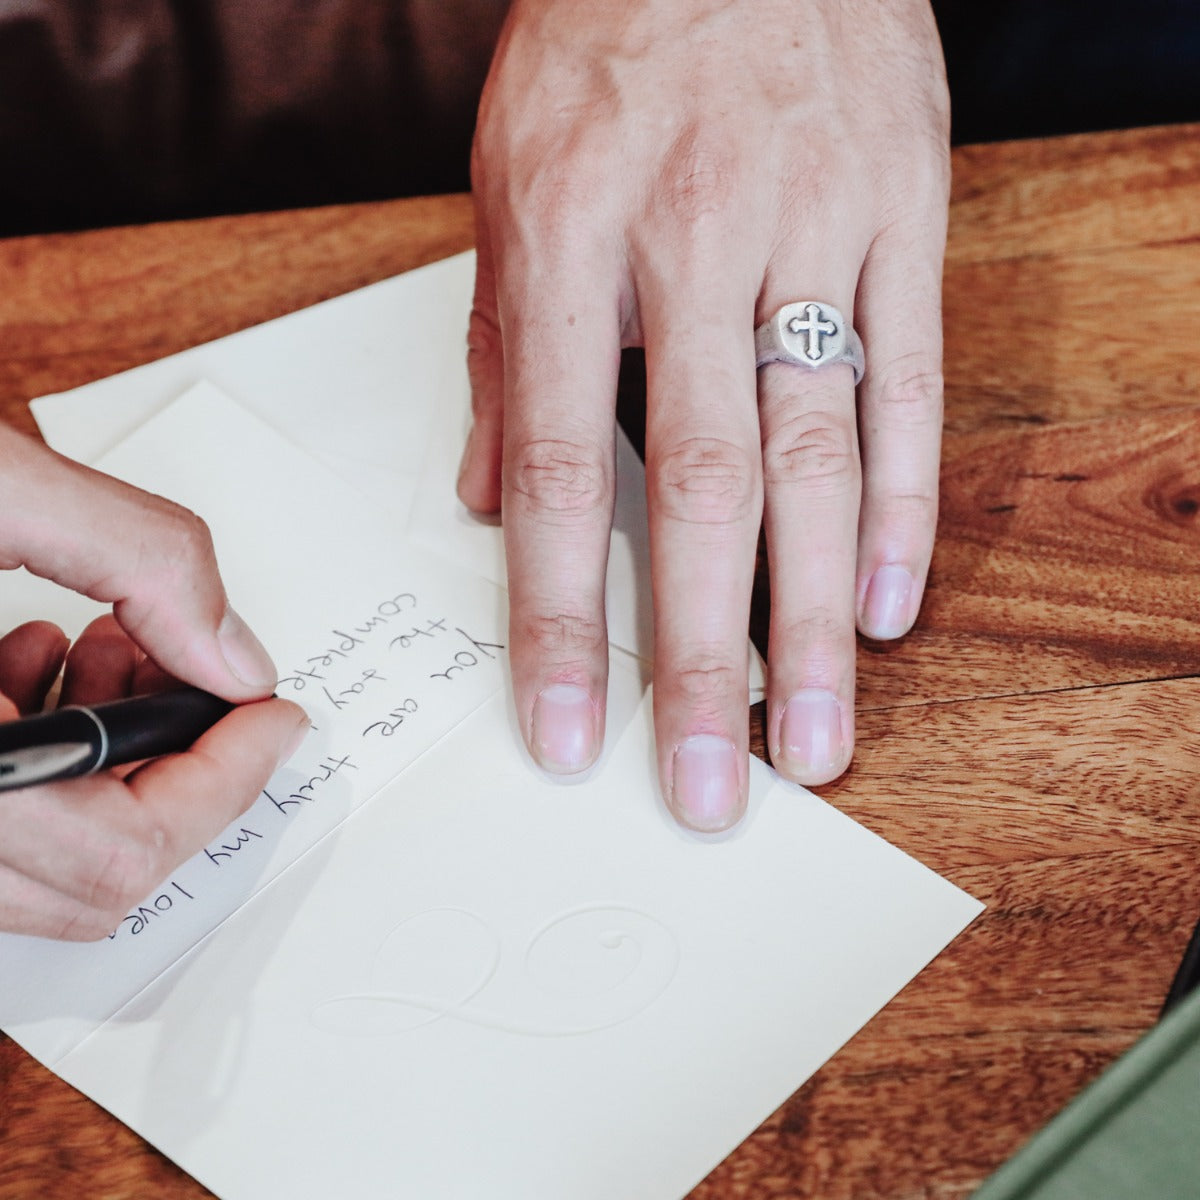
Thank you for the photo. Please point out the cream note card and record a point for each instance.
(484, 984)
(386, 646)
(418, 968)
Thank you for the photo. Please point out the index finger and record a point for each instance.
(704, 486)
(561, 354)
(152, 560)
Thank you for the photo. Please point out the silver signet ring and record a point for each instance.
(809, 333)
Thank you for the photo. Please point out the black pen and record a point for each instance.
(80, 740)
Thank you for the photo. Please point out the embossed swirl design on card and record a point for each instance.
(587, 969)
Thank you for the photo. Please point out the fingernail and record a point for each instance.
(810, 732)
(885, 610)
(244, 653)
(704, 783)
(294, 742)
(564, 729)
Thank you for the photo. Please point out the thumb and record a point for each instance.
(152, 560)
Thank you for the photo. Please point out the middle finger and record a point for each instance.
(704, 482)
(100, 665)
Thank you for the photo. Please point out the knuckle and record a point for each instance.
(547, 202)
(820, 640)
(123, 872)
(904, 518)
(484, 362)
(171, 554)
(913, 512)
(88, 925)
(483, 334)
(707, 481)
(817, 627)
(814, 452)
(494, 137)
(559, 199)
(564, 635)
(560, 479)
(184, 547)
(700, 181)
(554, 195)
(706, 681)
(911, 392)
(814, 176)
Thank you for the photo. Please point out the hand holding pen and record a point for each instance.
(76, 855)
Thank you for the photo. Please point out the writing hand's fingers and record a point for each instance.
(900, 417)
(30, 659)
(101, 665)
(479, 475)
(149, 558)
(76, 856)
(704, 494)
(196, 794)
(148, 677)
(30, 907)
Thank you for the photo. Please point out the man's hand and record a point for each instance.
(74, 856)
(669, 173)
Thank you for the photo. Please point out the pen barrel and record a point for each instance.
(75, 741)
(162, 723)
(72, 726)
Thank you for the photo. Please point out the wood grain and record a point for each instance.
(1094, 240)
(1083, 194)
(79, 307)
(1072, 337)
(1079, 827)
(1035, 738)
(1066, 557)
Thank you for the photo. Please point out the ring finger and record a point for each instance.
(813, 483)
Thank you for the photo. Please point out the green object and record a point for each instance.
(1134, 1134)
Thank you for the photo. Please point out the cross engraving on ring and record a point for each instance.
(815, 328)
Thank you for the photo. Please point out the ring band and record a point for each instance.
(809, 333)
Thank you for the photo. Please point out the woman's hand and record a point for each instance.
(74, 856)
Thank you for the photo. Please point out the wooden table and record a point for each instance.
(1036, 738)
